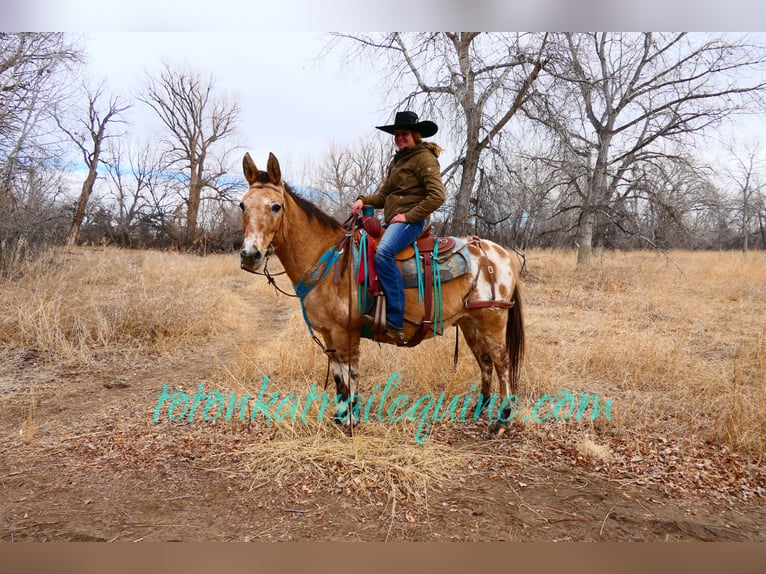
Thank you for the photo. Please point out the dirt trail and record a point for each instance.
(82, 460)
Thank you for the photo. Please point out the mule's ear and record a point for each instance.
(275, 174)
(248, 166)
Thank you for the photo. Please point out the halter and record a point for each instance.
(269, 253)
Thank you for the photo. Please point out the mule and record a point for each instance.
(485, 303)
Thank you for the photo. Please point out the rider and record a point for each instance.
(412, 190)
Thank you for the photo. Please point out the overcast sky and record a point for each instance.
(255, 16)
(292, 103)
(264, 52)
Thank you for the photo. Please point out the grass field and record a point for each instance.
(676, 341)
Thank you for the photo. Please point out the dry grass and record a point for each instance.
(71, 305)
(681, 354)
(380, 459)
(680, 351)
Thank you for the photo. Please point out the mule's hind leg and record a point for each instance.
(471, 335)
(502, 363)
(487, 345)
(489, 351)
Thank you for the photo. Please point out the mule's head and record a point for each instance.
(262, 210)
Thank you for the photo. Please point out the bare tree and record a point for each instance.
(347, 172)
(198, 125)
(616, 99)
(475, 81)
(744, 172)
(32, 70)
(90, 135)
(524, 190)
(133, 174)
(761, 213)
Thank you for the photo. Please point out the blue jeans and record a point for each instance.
(397, 237)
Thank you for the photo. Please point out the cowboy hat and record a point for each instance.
(409, 121)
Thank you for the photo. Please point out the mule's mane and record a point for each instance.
(311, 210)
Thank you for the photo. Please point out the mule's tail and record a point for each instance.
(514, 338)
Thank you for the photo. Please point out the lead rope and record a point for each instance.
(457, 350)
(270, 278)
(350, 269)
(438, 317)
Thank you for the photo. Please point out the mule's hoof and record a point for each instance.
(499, 429)
(346, 426)
(503, 423)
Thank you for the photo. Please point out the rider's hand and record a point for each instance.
(356, 209)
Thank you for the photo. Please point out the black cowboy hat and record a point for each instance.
(409, 121)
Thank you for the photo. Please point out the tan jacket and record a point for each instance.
(413, 186)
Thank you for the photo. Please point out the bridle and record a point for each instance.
(269, 252)
(270, 277)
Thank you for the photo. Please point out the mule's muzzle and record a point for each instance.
(250, 260)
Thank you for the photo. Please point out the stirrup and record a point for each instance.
(395, 334)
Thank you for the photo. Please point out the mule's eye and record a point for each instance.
(275, 208)
(242, 206)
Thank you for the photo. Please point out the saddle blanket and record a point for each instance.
(453, 264)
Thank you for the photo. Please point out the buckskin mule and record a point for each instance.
(485, 303)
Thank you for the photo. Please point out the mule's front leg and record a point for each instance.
(347, 388)
(344, 363)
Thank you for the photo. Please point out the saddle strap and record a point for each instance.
(488, 304)
(428, 301)
(379, 324)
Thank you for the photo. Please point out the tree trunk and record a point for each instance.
(461, 223)
(585, 236)
(82, 204)
(192, 212)
(745, 226)
(600, 232)
(597, 190)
